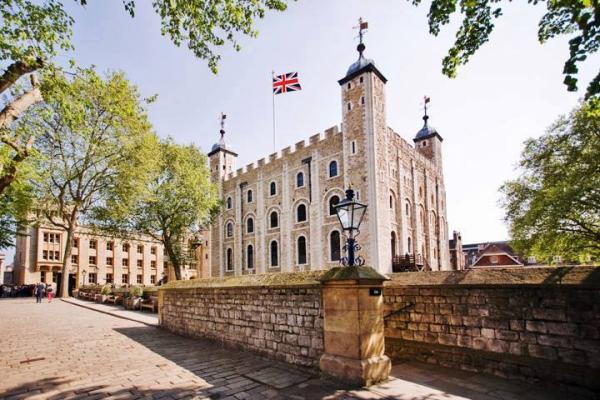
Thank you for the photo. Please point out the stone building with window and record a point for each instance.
(95, 258)
(278, 213)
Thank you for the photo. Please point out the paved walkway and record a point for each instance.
(61, 351)
(145, 317)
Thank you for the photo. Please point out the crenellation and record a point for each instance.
(314, 139)
(295, 227)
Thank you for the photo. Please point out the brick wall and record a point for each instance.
(280, 322)
(542, 326)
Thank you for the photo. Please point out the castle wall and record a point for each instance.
(403, 187)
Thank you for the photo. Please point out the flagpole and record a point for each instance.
(273, 94)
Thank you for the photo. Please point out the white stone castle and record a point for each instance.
(278, 214)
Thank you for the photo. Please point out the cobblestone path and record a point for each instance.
(63, 351)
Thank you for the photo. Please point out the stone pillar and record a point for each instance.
(353, 326)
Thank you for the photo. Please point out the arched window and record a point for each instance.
(333, 170)
(249, 196)
(274, 254)
(300, 179)
(250, 225)
(334, 246)
(407, 208)
(273, 219)
(229, 229)
(301, 250)
(391, 202)
(301, 213)
(273, 189)
(229, 260)
(333, 200)
(409, 246)
(229, 204)
(393, 244)
(250, 256)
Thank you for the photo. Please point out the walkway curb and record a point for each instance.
(113, 314)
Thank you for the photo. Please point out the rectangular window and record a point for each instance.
(153, 250)
(109, 261)
(76, 243)
(109, 278)
(153, 279)
(140, 278)
(140, 263)
(93, 244)
(140, 249)
(109, 246)
(126, 247)
(126, 262)
(92, 260)
(153, 264)
(93, 278)
(56, 255)
(353, 147)
(45, 254)
(45, 236)
(74, 259)
(124, 278)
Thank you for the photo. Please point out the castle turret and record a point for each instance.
(428, 141)
(365, 148)
(221, 157)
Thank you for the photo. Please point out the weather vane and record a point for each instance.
(362, 27)
(222, 131)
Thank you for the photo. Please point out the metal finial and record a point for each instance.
(222, 131)
(426, 99)
(362, 27)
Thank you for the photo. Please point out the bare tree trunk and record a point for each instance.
(173, 258)
(64, 287)
(17, 70)
(8, 115)
(15, 108)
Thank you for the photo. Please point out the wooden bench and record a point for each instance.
(115, 299)
(151, 304)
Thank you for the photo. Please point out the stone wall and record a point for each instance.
(539, 324)
(278, 316)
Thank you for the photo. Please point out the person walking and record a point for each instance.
(50, 291)
(39, 292)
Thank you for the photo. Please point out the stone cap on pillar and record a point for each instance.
(355, 272)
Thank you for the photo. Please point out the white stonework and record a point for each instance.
(402, 184)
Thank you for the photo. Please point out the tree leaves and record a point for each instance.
(554, 207)
(579, 17)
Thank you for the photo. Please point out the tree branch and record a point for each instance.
(15, 108)
(17, 70)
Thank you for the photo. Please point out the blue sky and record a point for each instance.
(511, 90)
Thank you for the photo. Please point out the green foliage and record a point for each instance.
(178, 200)
(205, 25)
(95, 143)
(553, 208)
(579, 17)
(136, 291)
(32, 30)
(106, 290)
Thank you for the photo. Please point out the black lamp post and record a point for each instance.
(350, 214)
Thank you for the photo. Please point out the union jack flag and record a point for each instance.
(286, 83)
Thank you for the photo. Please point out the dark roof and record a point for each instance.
(426, 131)
(361, 66)
(221, 147)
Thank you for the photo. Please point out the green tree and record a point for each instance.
(31, 33)
(553, 208)
(579, 18)
(205, 25)
(180, 201)
(95, 145)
